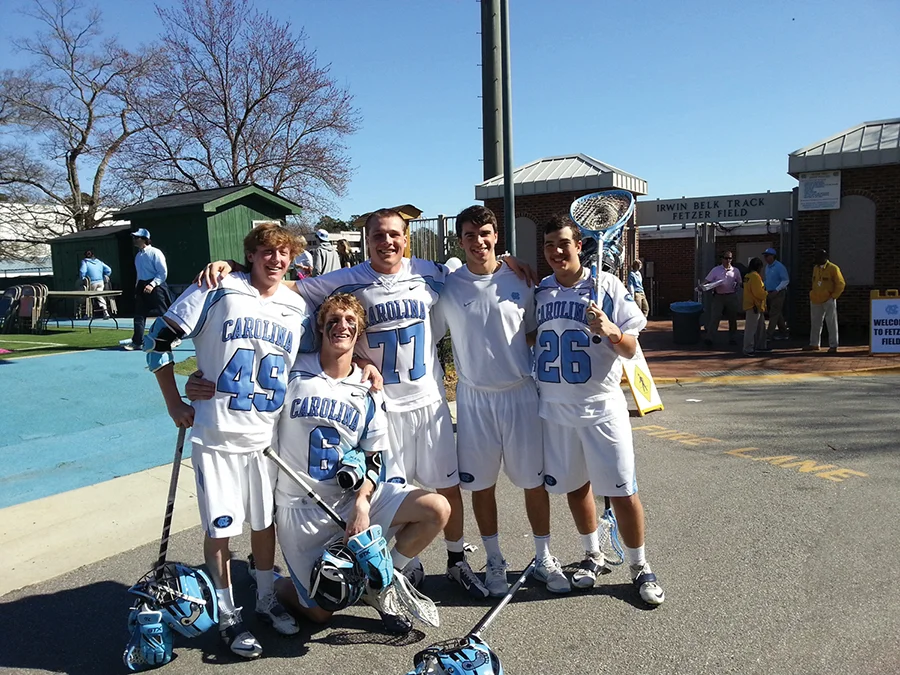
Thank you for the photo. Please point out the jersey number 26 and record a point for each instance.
(568, 348)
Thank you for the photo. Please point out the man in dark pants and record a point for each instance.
(151, 295)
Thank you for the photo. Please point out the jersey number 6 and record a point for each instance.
(237, 381)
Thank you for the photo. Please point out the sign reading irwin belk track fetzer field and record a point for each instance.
(760, 206)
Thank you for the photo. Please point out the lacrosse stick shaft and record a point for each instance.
(488, 618)
(170, 502)
(294, 476)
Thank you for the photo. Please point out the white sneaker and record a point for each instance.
(462, 574)
(645, 581)
(495, 576)
(550, 572)
(593, 565)
(270, 611)
(238, 639)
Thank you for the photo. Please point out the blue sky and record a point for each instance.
(696, 97)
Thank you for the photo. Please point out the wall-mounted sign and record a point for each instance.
(819, 191)
(758, 206)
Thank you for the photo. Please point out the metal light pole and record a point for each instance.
(491, 95)
(509, 197)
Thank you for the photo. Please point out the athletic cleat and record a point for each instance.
(549, 571)
(462, 574)
(270, 611)
(237, 638)
(414, 573)
(645, 581)
(394, 623)
(131, 347)
(495, 577)
(587, 571)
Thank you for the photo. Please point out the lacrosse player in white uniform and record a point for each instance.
(398, 295)
(489, 312)
(328, 415)
(247, 331)
(587, 432)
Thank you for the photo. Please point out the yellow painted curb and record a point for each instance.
(736, 379)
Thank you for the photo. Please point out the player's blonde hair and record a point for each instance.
(271, 235)
(342, 302)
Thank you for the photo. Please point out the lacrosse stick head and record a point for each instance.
(337, 580)
(185, 596)
(469, 656)
(602, 216)
(609, 538)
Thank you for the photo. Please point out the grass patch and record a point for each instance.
(56, 341)
(186, 367)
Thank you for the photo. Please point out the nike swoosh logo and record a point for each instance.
(412, 288)
(357, 394)
(466, 304)
(541, 472)
(451, 473)
(285, 314)
(621, 486)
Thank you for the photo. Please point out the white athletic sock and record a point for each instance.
(591, 542)
(400, 561)
(226, 602)
(542, 547)
(265, 582)
(455, 546)
(492, 546)
(635, 556)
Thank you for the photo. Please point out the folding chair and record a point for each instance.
(111, 306)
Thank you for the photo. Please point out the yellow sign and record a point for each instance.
(641, 383)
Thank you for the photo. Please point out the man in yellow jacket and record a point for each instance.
(755, 309)
(827, 286)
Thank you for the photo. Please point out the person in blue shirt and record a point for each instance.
(94, 270)
(776, 279)
(151, 295)
(636, 286)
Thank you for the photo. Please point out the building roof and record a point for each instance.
(564, 173)
(866, 144)
(208, 201)
(94, 233)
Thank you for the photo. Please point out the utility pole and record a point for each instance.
(509, 196)
(491, 96)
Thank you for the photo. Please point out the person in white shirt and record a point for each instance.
(587, 433)
(490, 312)
(330, 417)
(247, 331)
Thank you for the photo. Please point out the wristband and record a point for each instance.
(621, 337)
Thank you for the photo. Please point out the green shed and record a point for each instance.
(192, 228)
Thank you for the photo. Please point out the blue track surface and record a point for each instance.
(71, 420)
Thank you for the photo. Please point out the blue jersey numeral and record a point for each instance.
(574, 362)
(324, 453)
(389, 340)
(237, 381)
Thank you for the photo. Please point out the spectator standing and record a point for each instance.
(755, 309)
(94, 270)
(725, 280)
(343, 249)
(636, 286)
(302, 265)
(827, 286)
(151, 294)
(325, 258)
(777, 280)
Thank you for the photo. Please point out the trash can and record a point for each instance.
(686, 322)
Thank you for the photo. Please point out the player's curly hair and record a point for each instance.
(342, 301)
(274, 235)
(558, 222)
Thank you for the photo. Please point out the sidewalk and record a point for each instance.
(672, 363)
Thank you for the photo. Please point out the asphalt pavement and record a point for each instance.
(772, 524)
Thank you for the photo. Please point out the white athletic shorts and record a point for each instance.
(233, 488)
(304, 531)
(499, 425)
(601, 453)
(422, 447)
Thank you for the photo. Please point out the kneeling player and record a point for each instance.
(333, 429)
(587, 433)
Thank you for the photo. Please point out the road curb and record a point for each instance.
(737, 379)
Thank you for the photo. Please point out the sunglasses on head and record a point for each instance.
(727, 257)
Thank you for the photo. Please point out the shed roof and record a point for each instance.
(563, 173)
(866, 144)
(208, 201)
(94, 233)
(407, 212)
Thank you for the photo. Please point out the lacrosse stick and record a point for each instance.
(471, 652)
(400, 593)
(608, 529)
(601, 217)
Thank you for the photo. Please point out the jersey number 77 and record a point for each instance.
(390, 341)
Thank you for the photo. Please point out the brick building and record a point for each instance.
(549, 186)
(862, 235)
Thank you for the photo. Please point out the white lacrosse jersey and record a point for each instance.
(399, 338)
(580, 381)
(322, 419)
(246, 344)
(488, 317)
